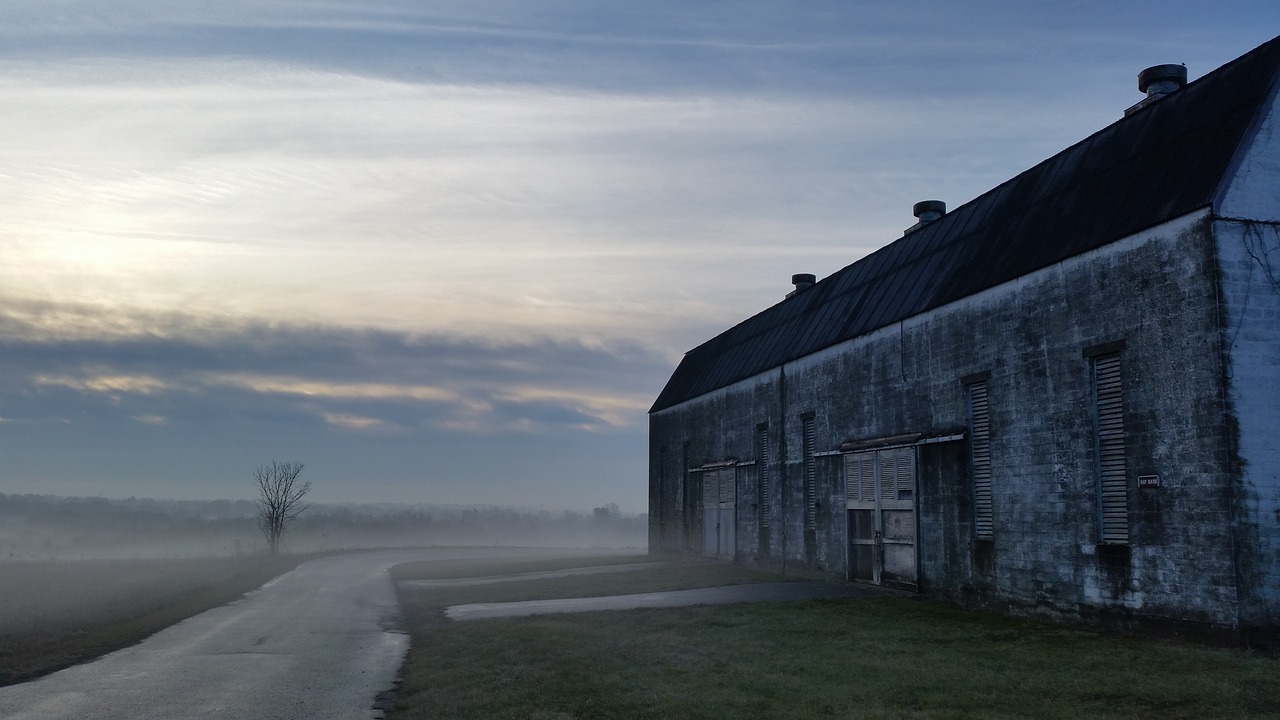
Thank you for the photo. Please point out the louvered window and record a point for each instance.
(762, 455)
(662, 484)
(810, 477)
(895, 469)
(728, 485)
(1113, 485)
(860, 477)
(897, 474)
(719, 486)
(686, 497)
(980, 454)
(710, 490)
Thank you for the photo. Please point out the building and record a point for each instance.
(1059, 398)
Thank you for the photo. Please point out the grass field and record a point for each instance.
(885, 657)
(57, 614)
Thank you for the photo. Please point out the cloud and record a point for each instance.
(248, 190)
(105, 383)
(355, 422)
(591, 407)
(427, 241)
(333, 390)
(187, 409)
(352, 378)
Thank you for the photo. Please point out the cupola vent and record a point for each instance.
(926, 211)
(802, 281)
(1158, 81)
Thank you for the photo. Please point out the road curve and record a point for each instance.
(318, 642)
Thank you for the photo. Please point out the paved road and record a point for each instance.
(752, 592)
(319, 642)
(538, 575)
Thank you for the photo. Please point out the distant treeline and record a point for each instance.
(45, 527)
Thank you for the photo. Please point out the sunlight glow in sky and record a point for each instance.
(449, 252)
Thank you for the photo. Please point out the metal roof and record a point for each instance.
(1163, 161)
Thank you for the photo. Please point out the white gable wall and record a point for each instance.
(1248, 240)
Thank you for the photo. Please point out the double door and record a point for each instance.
(880, 488)
(719, 496)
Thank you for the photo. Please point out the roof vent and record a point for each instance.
(802, 281)
(1158, 81)
(927, 211)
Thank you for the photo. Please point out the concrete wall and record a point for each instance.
(1251, 331)
(1248, 241)
(1155, 295)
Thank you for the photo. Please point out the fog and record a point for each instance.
(43, 527)
(83, 576)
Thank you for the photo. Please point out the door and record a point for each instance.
(719, 498)
(880, 491)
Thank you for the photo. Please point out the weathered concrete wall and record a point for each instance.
(1251, 332)
(1248, 241)
(719, 428)
(1154, 295)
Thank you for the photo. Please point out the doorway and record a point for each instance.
(719, 497)
(880, 490)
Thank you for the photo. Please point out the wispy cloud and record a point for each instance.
(336, 374)
(353, 422)
(334, 390)
(425, 242)
(105, 383)
(433, 416)
(250, 190)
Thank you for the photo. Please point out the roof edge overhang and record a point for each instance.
(727, 462)
(900, 440)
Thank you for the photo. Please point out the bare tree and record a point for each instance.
(279, 495)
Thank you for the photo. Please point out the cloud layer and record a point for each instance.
(450, 252)
(303, 390)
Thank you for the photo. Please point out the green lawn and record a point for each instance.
(885, 657)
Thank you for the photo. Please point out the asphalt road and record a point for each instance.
(319, 642)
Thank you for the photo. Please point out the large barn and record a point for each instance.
(1061, 397)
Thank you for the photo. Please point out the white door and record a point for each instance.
(719, 498)
(880, 491)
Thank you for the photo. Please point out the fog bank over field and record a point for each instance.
(45, 527)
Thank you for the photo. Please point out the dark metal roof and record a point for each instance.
(1163, 161)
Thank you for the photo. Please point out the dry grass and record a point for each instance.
(867, 658)
(56, 614)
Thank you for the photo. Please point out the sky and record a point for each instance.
(449, 252)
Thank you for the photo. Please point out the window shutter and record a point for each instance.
(1113, 486)
(868, 477)
(810, 477)
(860, 477)
(728, 484)
(853, 478)
(906, 473)
(980, 453)
(662, 484)
(762, 438)
(897, 474)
